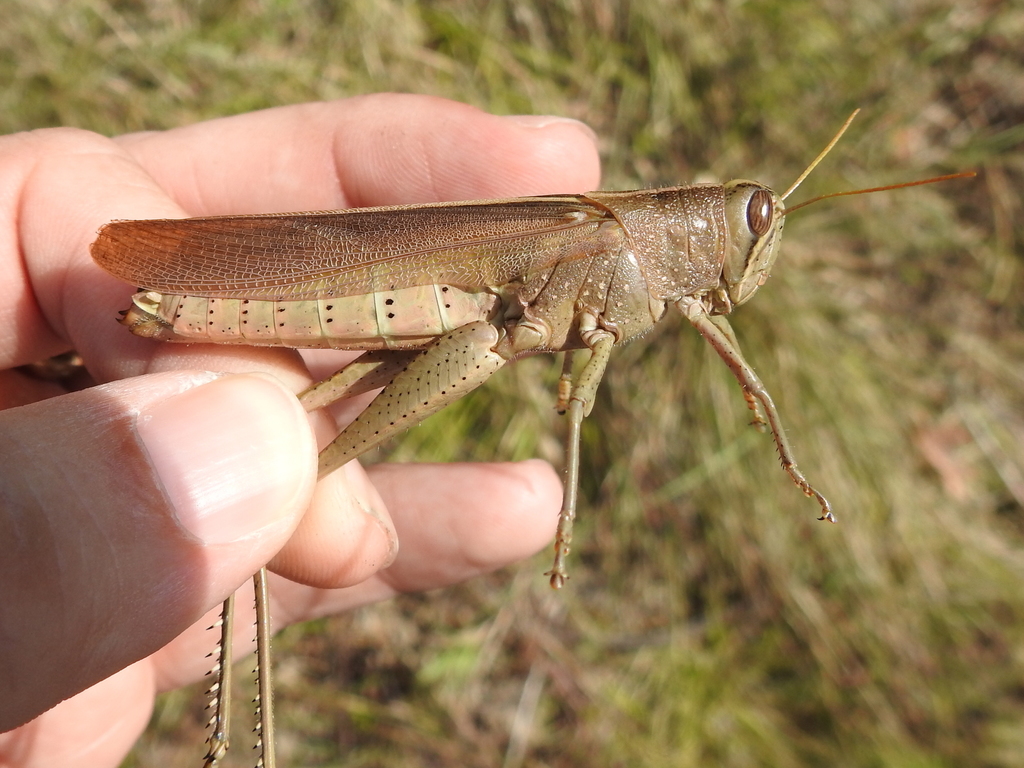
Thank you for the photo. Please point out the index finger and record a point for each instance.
(372, 150)
(381, 149)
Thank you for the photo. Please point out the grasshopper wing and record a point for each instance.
(326, 254)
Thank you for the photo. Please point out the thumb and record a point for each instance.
(130, 509)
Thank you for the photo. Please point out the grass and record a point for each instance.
(710, 620)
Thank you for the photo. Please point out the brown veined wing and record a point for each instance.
(325, 254)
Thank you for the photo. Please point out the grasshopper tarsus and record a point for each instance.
(558, 573)
(797, 476)
(826, 507)
(563, 545)
(557, 580)
(811, 492)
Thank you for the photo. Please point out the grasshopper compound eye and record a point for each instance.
(759, 212)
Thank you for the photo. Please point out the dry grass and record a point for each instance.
(710, 620)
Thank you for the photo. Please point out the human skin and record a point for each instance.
(130, 510)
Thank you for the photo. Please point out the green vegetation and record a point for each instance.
(710, 621)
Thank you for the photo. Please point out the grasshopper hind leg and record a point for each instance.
(264, 681)
(220, 690)
(418, 385)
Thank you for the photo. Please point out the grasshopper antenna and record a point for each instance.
(821, 156)
(828, 148)
(947, 177)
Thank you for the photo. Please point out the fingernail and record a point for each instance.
(543, 121)
(232, 455)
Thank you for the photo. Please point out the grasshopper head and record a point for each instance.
(755, 216)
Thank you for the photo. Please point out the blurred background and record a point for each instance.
(709, 620)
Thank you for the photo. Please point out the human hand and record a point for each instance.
(130, 510)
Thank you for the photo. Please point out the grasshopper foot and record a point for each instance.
(558, 573)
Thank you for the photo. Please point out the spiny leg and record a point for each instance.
(724, 342)
(758, 422)
(563, 535)
(220, 690)
(264, 680)
(581, 401)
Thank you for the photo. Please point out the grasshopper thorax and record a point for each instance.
(755, 216)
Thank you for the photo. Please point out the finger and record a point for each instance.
(87, 300)
(95, 728)
(139, 506)
(382, 149)
(109, 716)
(372, 150)
(53, 297)
(379, 149)
(68, 160)
(455, 521)
(463, 520)
(17, 388)
(339, 540)
(87, 305)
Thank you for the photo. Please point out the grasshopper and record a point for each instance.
(441, 296)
